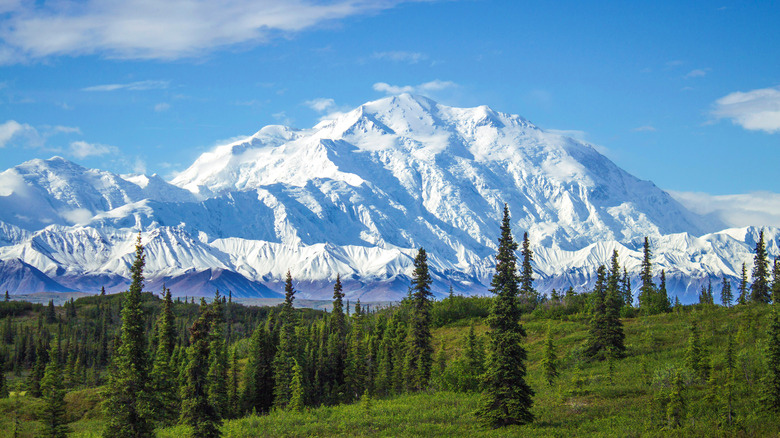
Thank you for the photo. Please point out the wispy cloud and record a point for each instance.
(82, 149)
(401, 56)
(132, 86)
(320, 104)
(22, 134)
(11, 129)
(573, 133)
(756, 209)
(756, 110)
(427, 87)
(162, 106)
(174, 29)
(697, 73)
(645, 128)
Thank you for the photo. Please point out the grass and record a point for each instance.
(586, 400)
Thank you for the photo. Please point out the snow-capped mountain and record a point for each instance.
(356, 196)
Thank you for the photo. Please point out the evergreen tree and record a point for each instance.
(196, 411)
(39, 368)
(419, 356)
(759, 290)
(474, 356)
(549, 357)
(102, 291)
(296, 389)
(676, 408)
(729, 384)
(356, 374)
(776, 281)
(613, 302)
(695, 355)
(337, 340)
(3, 382)
(258, 374)
(7, 297)
(164, 385)
(743, 286)
(51, 316)
(597, 338)
(218, 366)
(628, 296)
(286, 352)
(128, 397)
(726, 296)
(528, 294)
(647, 290)
(771, 395)
(661, 297)
(232, 407)
(53, 393)
(506, 398)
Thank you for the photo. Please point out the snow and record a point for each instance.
(356, 196)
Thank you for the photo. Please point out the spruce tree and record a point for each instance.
(743, 286)
(296, 388)
(628, 296)
(337, 340)
(127, 407)
(3, 382)
(528, 294)
(474, 356)
(647, 290)
(726, 296)
(776, 280)
(661, 297)
(258, 373)
(51, 316)
(164, 385)
(613, 302)
(771, 387)
(356, 373)
(549, 357)
(419, 353)
(759, 290)
(696, 355)
(53, 393)
(284, 361)
(597, 338)
(196, 411)
(218, 366)
(506, 397)
(232, 405)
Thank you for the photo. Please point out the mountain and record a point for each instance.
(356, 196)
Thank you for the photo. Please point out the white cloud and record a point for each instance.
(320, 104)
(10, 129)
(645, 128)
(82, 149)
(162, 106)
(757, 208)
(427, 87)
(756, 110)
(132, 86)
(143, 29)
(78, 216)
(401, 56)
(573, 133)
(697, 73)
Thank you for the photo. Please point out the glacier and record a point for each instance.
(356, 196)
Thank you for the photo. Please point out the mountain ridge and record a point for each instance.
(356, 195)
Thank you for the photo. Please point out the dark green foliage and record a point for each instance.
(3, 381)
(196, 411)
(258, 374)
(706, 295)
(36, 374)
(528, 295)
(356, 372)
(597, 338)
(652, 300)
(232, 410)
(51, 316)
(759, 290)
(771, 384)
(628, 296)
(284, 361)
(743, 287)
(163, 377)
(550, 358)
(53, 393)
(726, 296)
(128, 396)
(776, 281)
(506, 397)
(613, 303)
(336, 343)
(696, 357)
(218, 363)
(458, 307)
(676, 407)
(419, 353)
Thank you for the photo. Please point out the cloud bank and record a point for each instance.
(173, 29)
(757, 208)
(756, 110)
(427, 87)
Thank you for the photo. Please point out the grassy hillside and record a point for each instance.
(624, 398)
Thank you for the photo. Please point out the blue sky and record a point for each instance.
(686, 94)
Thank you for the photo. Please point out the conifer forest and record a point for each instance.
(515, 363)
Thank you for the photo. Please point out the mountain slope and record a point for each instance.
(356, 196)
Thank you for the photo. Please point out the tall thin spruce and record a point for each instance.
(506, 397)
(419, 356)
(128, 396)
(759, 290)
